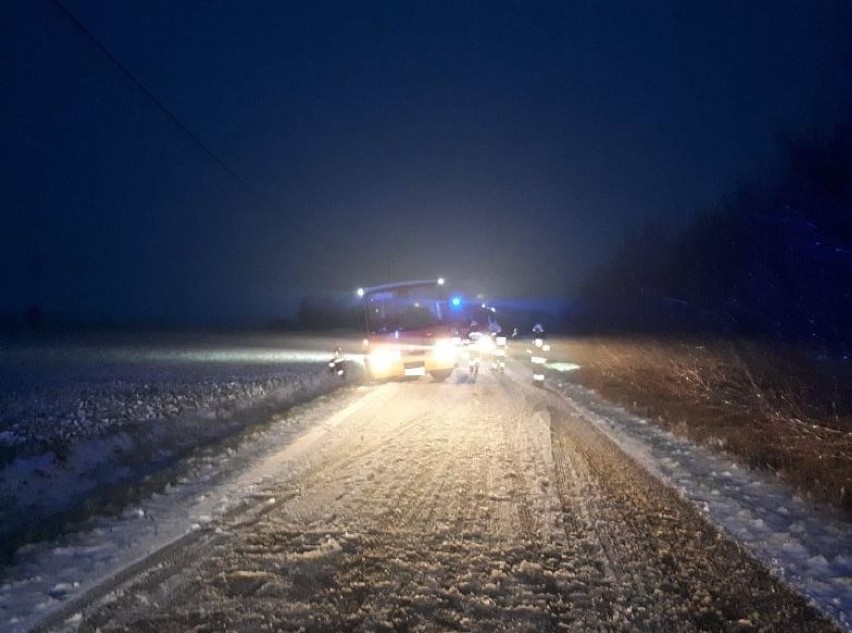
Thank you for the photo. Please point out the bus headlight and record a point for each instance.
(445, 351)
(382, 359)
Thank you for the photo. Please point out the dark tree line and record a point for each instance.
(775, 261)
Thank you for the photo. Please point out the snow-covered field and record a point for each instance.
(85, 422)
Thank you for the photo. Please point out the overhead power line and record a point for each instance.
(153, 98)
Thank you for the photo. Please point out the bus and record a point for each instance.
(410, 330)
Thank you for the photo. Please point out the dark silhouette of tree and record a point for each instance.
(775, 261)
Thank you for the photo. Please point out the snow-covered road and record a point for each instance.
(469, 505)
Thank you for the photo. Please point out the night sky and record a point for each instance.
(510, 144)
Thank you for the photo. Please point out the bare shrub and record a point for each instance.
(772, 407)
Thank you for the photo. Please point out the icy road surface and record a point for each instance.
(474, 506)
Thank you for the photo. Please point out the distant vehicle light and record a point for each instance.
(360, 292)
(455, 302)
(440, 281)
(485, 344)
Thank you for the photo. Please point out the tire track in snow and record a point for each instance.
(669, 568)
(464, 506)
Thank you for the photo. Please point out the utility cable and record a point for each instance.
(159, 104)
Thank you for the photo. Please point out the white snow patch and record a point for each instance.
(329, 547)
(806, 545)
(110, 405)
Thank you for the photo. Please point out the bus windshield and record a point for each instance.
(405, 307)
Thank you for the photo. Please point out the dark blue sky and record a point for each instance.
(511, 142)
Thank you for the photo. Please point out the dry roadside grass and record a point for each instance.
(770, 407)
